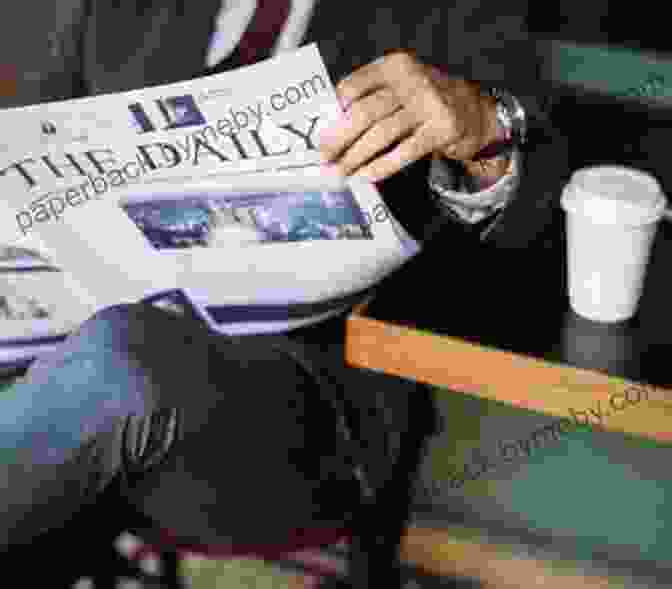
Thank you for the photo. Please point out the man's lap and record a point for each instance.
(129, 361)
(139, 361)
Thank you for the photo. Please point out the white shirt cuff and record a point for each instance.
(453, 197)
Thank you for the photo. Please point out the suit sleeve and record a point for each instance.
(486, 41)
(531, 209)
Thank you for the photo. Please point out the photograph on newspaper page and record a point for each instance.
(281, 241)
(39, 304)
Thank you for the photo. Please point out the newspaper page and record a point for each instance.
(213, 186)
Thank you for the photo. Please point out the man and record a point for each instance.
(418, 119)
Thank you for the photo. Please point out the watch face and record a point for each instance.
(504, 119)
(518, 118)
(511, 114)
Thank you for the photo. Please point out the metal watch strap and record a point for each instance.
(510, 116)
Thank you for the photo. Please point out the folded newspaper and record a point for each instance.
(213, 187)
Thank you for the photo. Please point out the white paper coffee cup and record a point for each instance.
(612, 217)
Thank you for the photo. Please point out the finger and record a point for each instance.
(449, 134)
(362, 81)
(382, 135)
(410, 150)
(413, 86)
(461, 149)
(476, 127)
(399, 71)
(363, 115)
(458, 142)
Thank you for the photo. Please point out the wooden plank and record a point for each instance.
(439, 552)
(518, 380)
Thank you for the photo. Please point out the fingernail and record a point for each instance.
(326, 136)
(345, 103)
(327, 156)
(333, 169)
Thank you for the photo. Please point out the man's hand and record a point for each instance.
(415, 109)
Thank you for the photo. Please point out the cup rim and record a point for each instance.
(609, 211)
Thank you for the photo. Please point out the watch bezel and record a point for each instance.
(514, 112)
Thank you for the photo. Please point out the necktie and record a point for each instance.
(259, 38)
(8, 79)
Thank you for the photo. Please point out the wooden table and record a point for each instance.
(509, 335)
(494, 336)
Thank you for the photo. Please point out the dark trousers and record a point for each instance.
(63, 432)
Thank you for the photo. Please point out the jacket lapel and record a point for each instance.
(130, 44)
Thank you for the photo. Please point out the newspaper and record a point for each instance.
(212, 186)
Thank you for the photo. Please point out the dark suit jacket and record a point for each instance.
(72, 48)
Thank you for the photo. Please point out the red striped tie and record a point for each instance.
(260, 36)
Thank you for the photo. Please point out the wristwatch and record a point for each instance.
(496, 161)
(511, 117)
